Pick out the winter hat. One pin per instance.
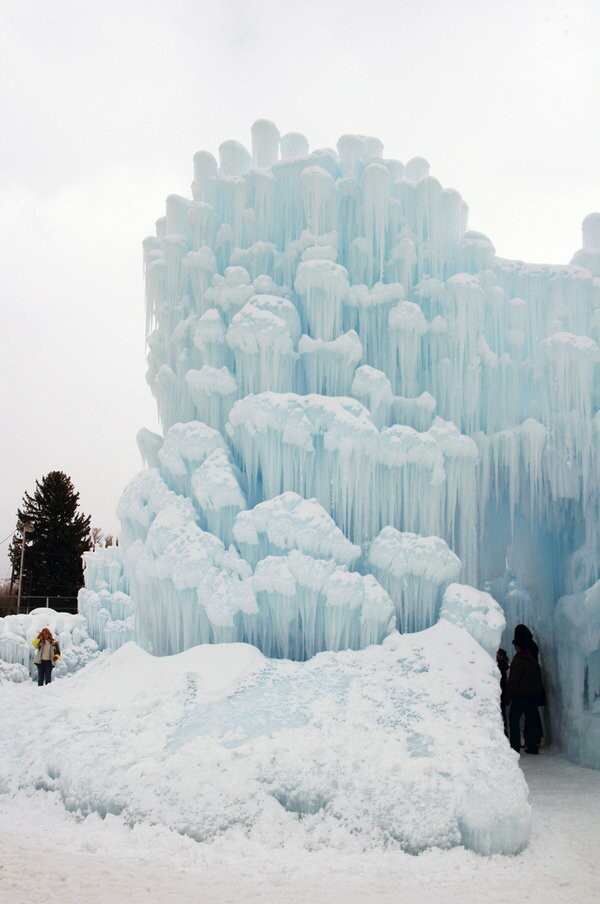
(523, 637)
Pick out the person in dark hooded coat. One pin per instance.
(523, 691)
(503, 664)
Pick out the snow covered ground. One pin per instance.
(107, 788)
(100, 861)
(399, 745)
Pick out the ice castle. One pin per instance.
(362, 405)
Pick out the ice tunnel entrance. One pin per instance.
(361, 406)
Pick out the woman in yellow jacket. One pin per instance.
(48, 654)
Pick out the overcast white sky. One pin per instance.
(103, 105)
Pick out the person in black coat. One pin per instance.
(503, 664)
(523, 691)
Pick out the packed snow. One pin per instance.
(130, 731)
(399, 745)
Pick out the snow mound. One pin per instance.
(477, 612)
(219, 741)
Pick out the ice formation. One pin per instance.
(476, 611)
(578, 625)
(105, 601)
(291, 522)
(322, 324)
(17, 632)
(415, 570)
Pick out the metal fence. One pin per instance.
(8, 604)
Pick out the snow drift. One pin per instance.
(397, 745)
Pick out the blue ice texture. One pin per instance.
(378, 454)
(369, 420)
(362, 405)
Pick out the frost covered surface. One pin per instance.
(330, 449)
(415, 571)
(109, 616)
(17, 632)
(105, 860)
(323, 322)
(306, 605)
(105, 602)
(350, 750)
(477, 612)
(13, 671)
(189, 588)
(578, 620)
(290, 522)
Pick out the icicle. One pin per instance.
(263, 192)
(350, 150)
(149, 444)
(373, 389)
(318, 192)
(376, 195)
(329, 366)
(230, 292)
(294, 145)
(322, 286)
(416, 168)
(185, 447)
(201, 266)
(209, 339)
(477, 612)
(477, 252)
(415, 571)
(407, 326)
(367, 312)
(177, 215)
(216, 488)
(205, 176)
(262, 336)
(307, 605)
(234, 159)
(589, 254)
(213, 391)
(265, 142)
(290, 522)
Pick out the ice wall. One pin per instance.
(578, 625)
(322, 323)
(415, 571)
(105, 601)
(286, 588)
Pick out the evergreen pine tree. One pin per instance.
(52, 563)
